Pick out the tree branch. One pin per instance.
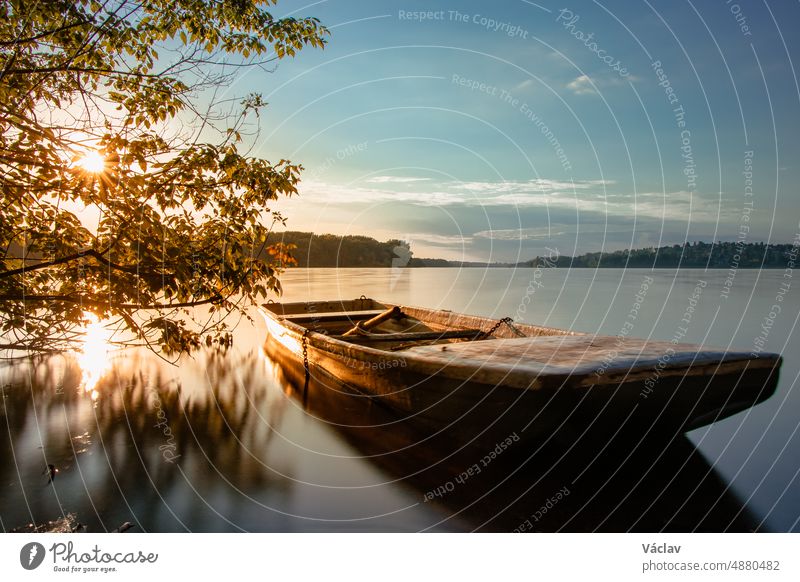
(83, 300)
(45, 34)
(80, 255)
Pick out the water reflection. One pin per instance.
(571, 482)
(212, 445)
(93, 358)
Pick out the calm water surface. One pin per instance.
(222, 442)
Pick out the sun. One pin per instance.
(93, 162)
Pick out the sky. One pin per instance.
(496, 131)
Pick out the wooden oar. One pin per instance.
(363, 326)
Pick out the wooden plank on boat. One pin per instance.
(332, 316)
(361, 327)
(319, 307)
(450, 319)
(411, 337)
(595, 359)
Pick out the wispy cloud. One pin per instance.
(526, 84)
(344, 194)
(539, 233)
(586, 85)
(582, 86)
(585, 196)
(438, 239)
(394, 180)
(535, 185)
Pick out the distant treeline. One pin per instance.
(720, 255)
(329, 250)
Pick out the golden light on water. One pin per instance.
(94, 355)
(93, 162)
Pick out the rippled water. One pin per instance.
(222, 442)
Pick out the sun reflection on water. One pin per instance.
(94, 355)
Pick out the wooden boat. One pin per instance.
(441, 367)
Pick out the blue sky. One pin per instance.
(492, 131)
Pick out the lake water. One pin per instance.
(223, 443)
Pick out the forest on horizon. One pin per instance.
(329, 250)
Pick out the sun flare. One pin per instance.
(93, 162)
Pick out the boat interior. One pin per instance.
(365, 321)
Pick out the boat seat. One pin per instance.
(332, 316)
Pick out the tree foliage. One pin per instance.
(178, 216)
(330, 250)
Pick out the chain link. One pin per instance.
(508, 321)
(305, 352)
